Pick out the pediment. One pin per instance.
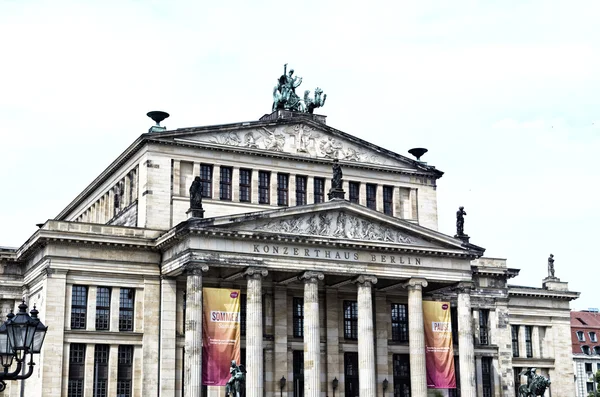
(336, 220)
(297, 138)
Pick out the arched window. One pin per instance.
(597, 350)
(585, 349)
(580, 336)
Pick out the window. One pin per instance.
(101, 370)
(298, 317)
(401, 375)
(282, 189)
(264, 178)
(103, 308)
(319, 184)
(514, 329)
(486, 376)
(484, 315)
(243, 306)
(528, 344)
(588, 368)
(589, 387)
(585, 349)
(372, 196)
(597, 350)
(388, 200)
(298, 369)
(399, 322)
(76, 370)
(454, 324)
(225, 183)
(126, 301)
(78, 307)
(593, 337)
(124, 371)
(300, 190)
(206, 171)
(350, 320)
(580, 336)
(245, 183)
(354, 192)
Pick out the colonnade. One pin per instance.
(312, 353)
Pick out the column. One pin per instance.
(168, 336)
(333, 339)
(416, 337)
(193, 333)
(312, 336)
(382, 321)
(366, 341)
(281, 340)
(466, 352)
(254, 332)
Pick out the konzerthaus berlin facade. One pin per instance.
(332, 289)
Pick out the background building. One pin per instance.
(332, 288)
(585, 328)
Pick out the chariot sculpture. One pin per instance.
(285, 97)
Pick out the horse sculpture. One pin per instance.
(536, 384)
(317, 102)
(236, 386)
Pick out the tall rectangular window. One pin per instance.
(372, 196)
(225, 183)
(78, 307)
(282, 189)
(76, 370)
(354, 193)
(401, 375)
(319, 184)
(484, 315)
(298, 316)
(300, 190)
(101, 370)
(206, 173)
(243, 301)
(388, 200)
(514, 329)
(454, 324)
(486, 376)
(350, 320)
(103, 308)
(399, 322)
(125, 371)
(264, 191)
(126, 306)
(298, 369)
(528, 344)
(245, 184)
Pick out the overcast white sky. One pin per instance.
(505, 96)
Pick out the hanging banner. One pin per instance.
(220, 334)
(439, 354)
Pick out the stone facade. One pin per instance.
(333, 289)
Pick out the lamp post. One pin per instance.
(281, 385)
(385, 385)
(334, 384)
(20, 334)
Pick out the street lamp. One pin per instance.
(385, 385)
(282, 385)
(20, 334)
(334, 384)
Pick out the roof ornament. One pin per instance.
(418, 152)
(460, 224)
(157, 116)
(285, 97)
(551, 266)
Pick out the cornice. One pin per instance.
(541, 293)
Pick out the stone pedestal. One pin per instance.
(312, 336)
(466, 352)
(195, 213)
(416, 337)
(366, 342)
(336, 193)
(254, 333)
(554, 284)
(193, 332)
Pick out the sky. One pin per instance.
(505, 95)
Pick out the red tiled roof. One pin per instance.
(586, 322)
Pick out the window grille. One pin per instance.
(76, 370)
(388, 200)
(282, 189)
(372, 196)
(101, 353)
(319, 190)
(300, 190)
(298, 316)
(515, 340)
(103, 308)
(354, 193)
(225, 183)
(79, 307)
(206, 172)
(484, 315)
(350, 320)
(245, 184)
(264, 190)
(126, 306)
(125, 371)
(400, 322)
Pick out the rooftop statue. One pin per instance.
(460, 221)
(285, 97)
(551, 266)
(196, 193)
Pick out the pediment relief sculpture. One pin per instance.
(298, 139)
(338, 224)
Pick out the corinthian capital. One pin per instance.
(256, 272)
(416, 284)
(311, 277)
(366, 280)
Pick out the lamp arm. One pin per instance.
(11, 375)
(28, 374)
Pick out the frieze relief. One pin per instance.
(298, 139)
(338, 224)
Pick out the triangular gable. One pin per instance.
(302, 138)
(337, 220)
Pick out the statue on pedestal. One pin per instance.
(336, 190)
(536, 384)
(551, 266)
(236, 385)
(196, 210)
(460, 221)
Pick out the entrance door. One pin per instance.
(401, 375)
(351, 374)
(298, 367)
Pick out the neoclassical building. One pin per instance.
(332, 289)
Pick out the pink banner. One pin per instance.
(220, 334)
(439, 354)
